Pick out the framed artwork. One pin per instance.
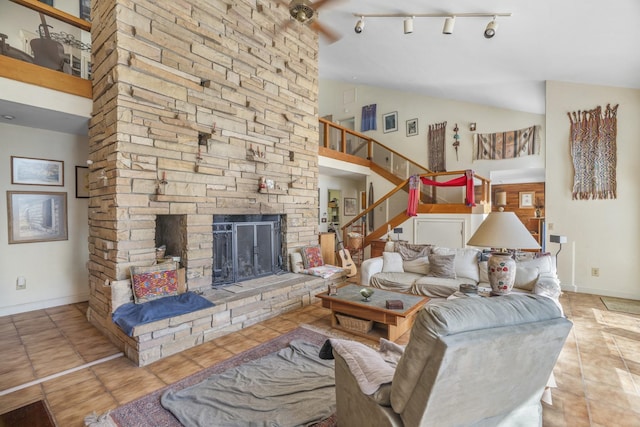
(82, 182)
(85, 10)
(349, 206)
(412, 127)
(30, 171)
(390, 122)
(526, 199)
(37, 216)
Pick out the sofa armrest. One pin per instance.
(368, 268)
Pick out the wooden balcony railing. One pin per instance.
(27, 72)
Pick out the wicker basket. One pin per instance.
(355, 242)
(354, 324)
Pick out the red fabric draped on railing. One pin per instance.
(414, 189)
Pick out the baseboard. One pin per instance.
(39, 305)
(605, 292)
(568, 287)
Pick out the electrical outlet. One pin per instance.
(550, 226)
(595, 272)
(21, 283)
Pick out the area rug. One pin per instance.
(35, 414)
(148, 411)
(622, 305)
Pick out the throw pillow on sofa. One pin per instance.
(392, 262)
(442, 266)
(418, 265)
(526, 277)
(466, 263)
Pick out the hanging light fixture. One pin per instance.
(408, 25)
(449, 23)
(490, 31)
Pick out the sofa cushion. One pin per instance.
(392, 262)
(442, 266)
(526, 277)
(466, 264)
(544, 264)
(437, 287)
(400, 282)
(419, 265)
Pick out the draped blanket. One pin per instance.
(506, 145)
(414, 189)
(289, 388)
(593, 151)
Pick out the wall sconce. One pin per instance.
(472, 127)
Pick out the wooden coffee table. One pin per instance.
(349, 302)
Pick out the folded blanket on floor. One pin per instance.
(292, 387)
(129, 315)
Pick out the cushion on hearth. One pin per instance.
(130, 315)
(153, 282)
(311, 256)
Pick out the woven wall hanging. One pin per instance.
(592, 140)
(435, 147)
(506, 145)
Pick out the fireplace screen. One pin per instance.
(245, 250)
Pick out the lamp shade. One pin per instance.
(503, 230)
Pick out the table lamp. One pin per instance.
(502, 231)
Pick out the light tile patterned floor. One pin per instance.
(598, 372)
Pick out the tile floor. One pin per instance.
(598, 372)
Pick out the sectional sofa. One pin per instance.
(438, 272)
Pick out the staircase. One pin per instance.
(347, 145)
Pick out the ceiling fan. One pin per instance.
(306, 12)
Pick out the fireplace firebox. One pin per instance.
(246, 247)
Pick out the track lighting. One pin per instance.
(490, 31)
(448, 25)
(408, 25)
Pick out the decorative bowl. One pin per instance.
(366, 293)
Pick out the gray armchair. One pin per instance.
(469, 362)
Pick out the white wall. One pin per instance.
(601, 233)
(55, 272)
(429, 110)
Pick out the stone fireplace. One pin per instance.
(193, 108)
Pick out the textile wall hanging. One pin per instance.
(368, 121)
(506, 145)
(593, 151)
(435, 147)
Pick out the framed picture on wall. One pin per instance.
(36, 216)
(412, 127)
(85, 10)
(31, 171)
(390, 122)
(526, 199)
(349, 206)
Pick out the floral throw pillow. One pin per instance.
(311, 256)
(156, 281)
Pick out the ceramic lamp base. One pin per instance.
(502, 273)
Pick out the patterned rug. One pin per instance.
(622, 305)
(148, 412)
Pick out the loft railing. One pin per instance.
(45, 46)
(348, 145)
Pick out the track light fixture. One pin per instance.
(408, 25)
(490, 31)
(449, 23)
